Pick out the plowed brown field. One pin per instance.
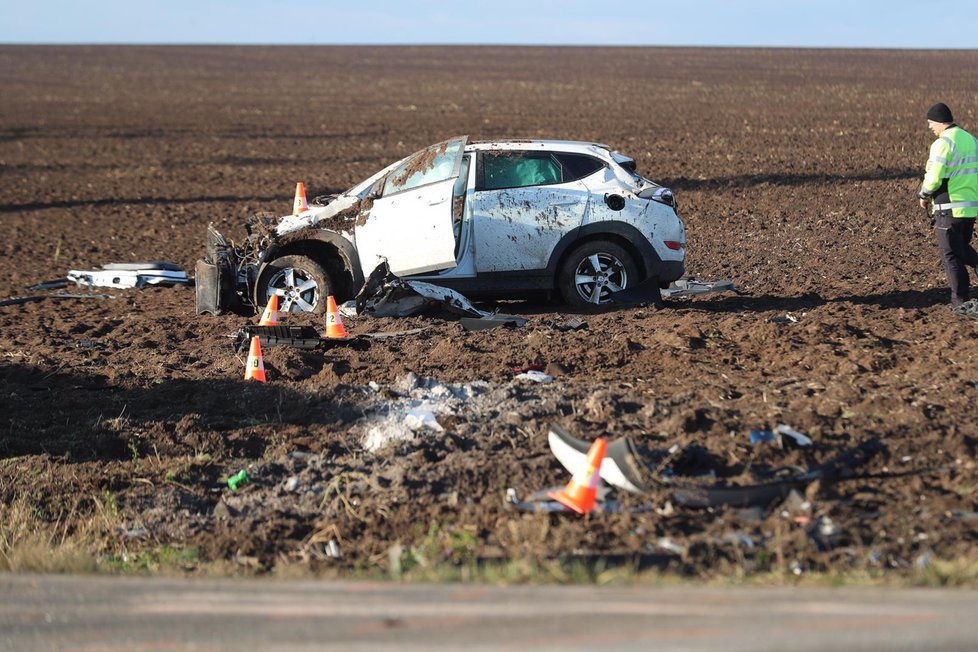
(795, 172)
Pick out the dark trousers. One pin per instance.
(957, 254)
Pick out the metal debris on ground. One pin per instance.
(390, 334)
(131, 275)
(688, 287)
(968, 309)
(540, 503)
(385, 295)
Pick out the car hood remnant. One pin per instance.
(131, 275)
(496, 219)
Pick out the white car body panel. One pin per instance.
(518, 228)
(412, 230)
(410, 226)
(656, 221)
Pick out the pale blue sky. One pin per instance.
(812, 23)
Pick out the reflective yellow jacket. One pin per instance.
(951, 179)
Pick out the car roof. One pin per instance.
(575, 146)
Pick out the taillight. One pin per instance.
(675, 245)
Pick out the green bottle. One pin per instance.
(241, 477)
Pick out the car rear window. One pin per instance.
(516, 169)
(578, 166)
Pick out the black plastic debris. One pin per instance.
(17, 301)
(473, 324)
(572, 324)
(840, 467)
(299, 337)
(56, 284)
(645, 293)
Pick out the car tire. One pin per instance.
(592, 271)
(301, 283)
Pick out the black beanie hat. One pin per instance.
(940, 113)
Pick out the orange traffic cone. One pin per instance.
(255, 367)
(581, 492)
(270, 316)
(300, 205)
(334, 324)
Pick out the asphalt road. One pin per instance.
(133, 614)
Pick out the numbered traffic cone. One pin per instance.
(270, 316)
(581, 492)
(255, 367)
(300, 205)
(334, 323)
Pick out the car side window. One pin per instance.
(578, 166)
(435, 163)
(515, 169)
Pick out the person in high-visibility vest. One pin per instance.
(950, 188)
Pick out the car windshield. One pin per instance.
(366, 186)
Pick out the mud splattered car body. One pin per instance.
(488, 219)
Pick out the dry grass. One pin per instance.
(32, 542)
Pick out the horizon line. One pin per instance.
(475, 45)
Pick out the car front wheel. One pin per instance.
(593, 271)
(301, 284)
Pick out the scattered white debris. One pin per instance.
(788, 431)
(416, 413)
(535, 376)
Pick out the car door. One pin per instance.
(410, 221)
(521, 208)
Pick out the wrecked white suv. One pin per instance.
(487, 219)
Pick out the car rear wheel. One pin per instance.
(593, 271)
(301, 284)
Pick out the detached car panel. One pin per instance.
(491, 219)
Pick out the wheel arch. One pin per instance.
(331, 250)
(625, 235)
